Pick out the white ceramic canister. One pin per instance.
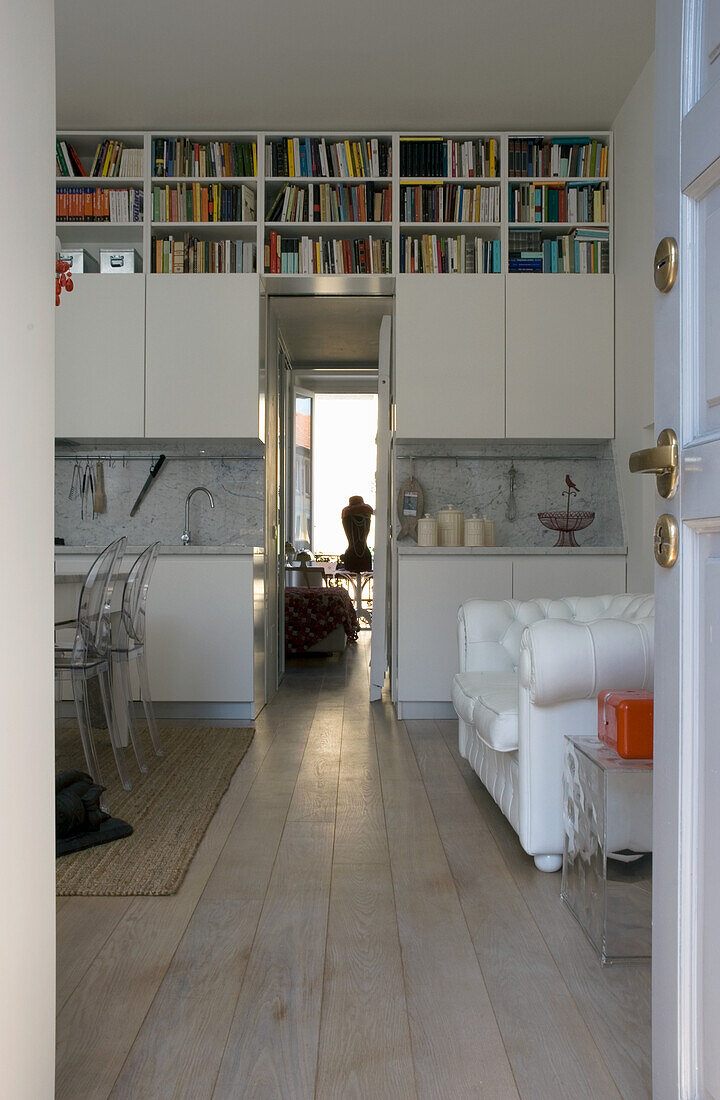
(489, 531)
(427, 531)
(474, 531)
(450, 526)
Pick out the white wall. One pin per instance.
(634, 304)
(27, 802)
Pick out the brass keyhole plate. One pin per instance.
(666, 540)
(665, 267)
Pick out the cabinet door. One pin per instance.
(563, 575)
(450, 356)
(200, 629)
(560, 360)
(202, 356)
(100, 357)
(430, 591)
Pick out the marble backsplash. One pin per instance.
(477, 480)
(237, 485)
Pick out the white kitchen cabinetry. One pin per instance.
(200, 629)
(430, 592)
(559, 357)
(431, 587)
(100, 357)
(202, 356)
(567, 576)
(450, 357)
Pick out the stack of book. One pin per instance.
(449, 202)
(561, 157)
(434, 255)
(98, 204)
(196, 202)
(558, 202)
(331, 202)
(582, 252)
(188, 255)
(198, 160)
(445, 157)
(317, 157)
(323, 256)
(113, 159)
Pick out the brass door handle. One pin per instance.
(661, 460)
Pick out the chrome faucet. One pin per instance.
(185, 538)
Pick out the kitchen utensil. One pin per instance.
(91, 491)
(83, 487)
(75, 481)
(99, 499)
(154, 471)
(511, 510)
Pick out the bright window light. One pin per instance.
(344, 461)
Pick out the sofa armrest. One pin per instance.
(561, 661)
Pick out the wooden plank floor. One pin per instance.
(359, 921)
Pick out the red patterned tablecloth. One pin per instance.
(313, 613)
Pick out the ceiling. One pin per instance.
(336, 64)
(337, 332)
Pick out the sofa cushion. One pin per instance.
(488, 701)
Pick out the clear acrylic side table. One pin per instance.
(607, 861)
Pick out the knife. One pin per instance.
(154, 471)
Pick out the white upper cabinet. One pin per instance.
(202, 356)
(450, 356)
(560, 356)
(100, 357)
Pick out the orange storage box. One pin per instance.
(625, 723)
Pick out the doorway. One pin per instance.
(328, 425)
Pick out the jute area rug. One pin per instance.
(169, 808)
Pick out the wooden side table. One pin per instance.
(607, 861)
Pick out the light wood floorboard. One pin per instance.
(359, 921)
(614, 1001)
(522, 978)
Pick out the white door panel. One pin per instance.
(686, 894)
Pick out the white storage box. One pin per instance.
(118, 260)
(79, 259)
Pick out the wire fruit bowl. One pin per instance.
(566, 524)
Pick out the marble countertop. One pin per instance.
(410, 549)
(170, 548)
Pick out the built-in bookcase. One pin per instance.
(559, 203)
(330, 204)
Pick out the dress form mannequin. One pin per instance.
(356, 524)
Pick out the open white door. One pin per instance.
(686, 896)
(381, 558)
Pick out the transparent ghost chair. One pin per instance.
(128, 644)
(89, 657)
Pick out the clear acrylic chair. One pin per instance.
(89, 657)
(128, 644)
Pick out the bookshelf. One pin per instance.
(363, 208)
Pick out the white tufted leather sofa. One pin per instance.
(530, 673)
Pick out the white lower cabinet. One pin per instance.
(430, 591)
(431, 588)
(202, 356)
(200, 629)
(100, 358)
(450, 356)
(568, 576)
